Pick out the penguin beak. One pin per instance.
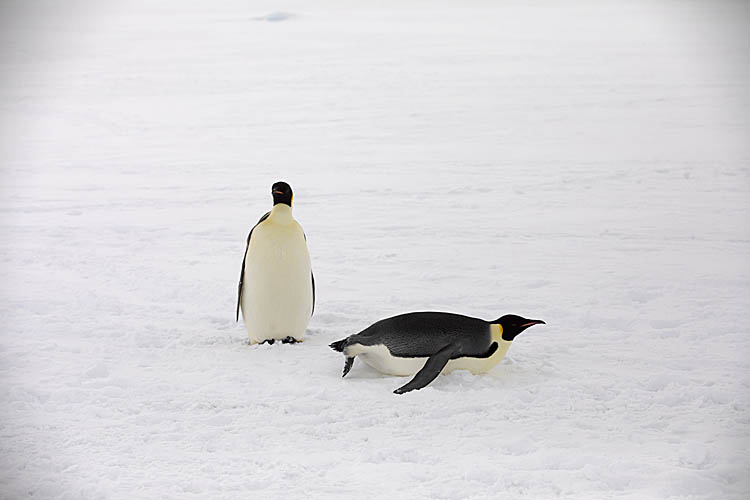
(276, 191)
(533, 322)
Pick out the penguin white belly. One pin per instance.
(380, 358)
(277, 288)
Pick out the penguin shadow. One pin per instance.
(508, 377)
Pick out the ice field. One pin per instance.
(585, 163)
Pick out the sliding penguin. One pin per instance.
(277, 288)
(430, 343)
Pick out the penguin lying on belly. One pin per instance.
(430, 343)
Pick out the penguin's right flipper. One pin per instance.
(430, 370)
(348, 366)
(242, 270)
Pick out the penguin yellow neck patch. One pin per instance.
(496, 330)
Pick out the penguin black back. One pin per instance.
(421, 334)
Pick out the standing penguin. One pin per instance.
(430, 343)
(277, 288)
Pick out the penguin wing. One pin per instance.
(242, 271)
(431, 368)
(312, 276)
(313, 287)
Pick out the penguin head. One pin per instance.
(282, 193)
(514, 325)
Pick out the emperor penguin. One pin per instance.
(277, 288)
(430, 343)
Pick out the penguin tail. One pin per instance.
(338, 346)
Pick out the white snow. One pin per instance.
(586, 163)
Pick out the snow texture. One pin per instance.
(586, 163)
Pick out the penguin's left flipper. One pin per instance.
(431, 369)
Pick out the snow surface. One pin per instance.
(586, 163)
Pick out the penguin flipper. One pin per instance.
(313, 281)
(312, 276)
(431, 369)
(242, 271)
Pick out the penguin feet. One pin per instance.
(285, 340)
(348, 365)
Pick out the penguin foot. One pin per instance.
(348, 366)
(269, 341)
(289, 340)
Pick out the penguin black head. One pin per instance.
(282, 193)
(514, 325)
